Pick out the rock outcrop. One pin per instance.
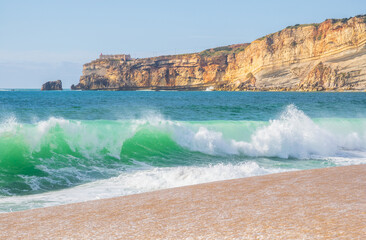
(310, 57)
(52, 85)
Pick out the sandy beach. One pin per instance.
(313, 204)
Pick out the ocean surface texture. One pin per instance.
(71, 146)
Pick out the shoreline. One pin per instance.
(317, 203)
(157, 89)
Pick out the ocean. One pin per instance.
(62, 147)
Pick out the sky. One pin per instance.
(47, 40)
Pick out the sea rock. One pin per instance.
(52, 85)
(309, 57)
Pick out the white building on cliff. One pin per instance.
(124, 57)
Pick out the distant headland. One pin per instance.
(329, 56)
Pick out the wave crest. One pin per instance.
(292, 135)
(59, 153)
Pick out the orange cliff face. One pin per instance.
(185, 71)
(311, 57)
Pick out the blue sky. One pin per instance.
(49, 40)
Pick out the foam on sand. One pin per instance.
(321, 203)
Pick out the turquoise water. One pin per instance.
(69, 146)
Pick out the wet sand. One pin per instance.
(313, 204)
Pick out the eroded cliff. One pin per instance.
(310, 57)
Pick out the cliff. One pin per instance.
(310, 57)
(52, 85)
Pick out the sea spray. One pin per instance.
(58, 153)
(68, 146)
(292, 135)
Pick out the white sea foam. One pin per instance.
(292, 135)
(138, 181)
(9, 126)
(87, 137)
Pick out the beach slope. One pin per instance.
(313, 204)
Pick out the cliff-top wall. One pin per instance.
(310, 57)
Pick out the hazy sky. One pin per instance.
(49, 40)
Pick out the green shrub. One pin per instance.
(302, 25)
(225, 50)
(240, 49)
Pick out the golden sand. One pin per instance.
(313, 204)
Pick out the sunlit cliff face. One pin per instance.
(310, 57)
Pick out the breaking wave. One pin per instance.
(134, 182)
(153, 153)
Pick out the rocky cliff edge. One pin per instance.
(309, 57)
